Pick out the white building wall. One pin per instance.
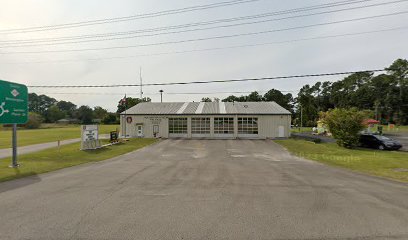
(147, 123)
(268, 125)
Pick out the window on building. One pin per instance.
(223, 125)
(200, 125)
(178, 125)
(248, 125)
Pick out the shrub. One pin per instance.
(345, 125)
(34, 121)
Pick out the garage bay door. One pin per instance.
(177, 127)
(200, 127)
(224, 127)
(247, 127)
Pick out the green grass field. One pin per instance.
(403, 129)
(389, 164)
(299, 130)
(68, 155)
(49, 134)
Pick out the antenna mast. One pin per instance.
(141, 84)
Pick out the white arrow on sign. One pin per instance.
(2, 110)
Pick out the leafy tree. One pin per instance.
(34, 120)
(67, 107)
(345, 125)
(307, 109)
(99, 112)
(40, 103)
(110, 118)
(399, 70)
(206, 99)
(130, 102)
(323, 97)
(54, 114)
(345, 92)
(254, 97)
(285, 100)
(232, 98)
(85, 114)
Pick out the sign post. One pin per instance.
(14, 163)
(90, 137)
(13, 109)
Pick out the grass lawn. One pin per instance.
(28, 137)
(302, 129)
(69, 155)
(403, 129)
(375, 162)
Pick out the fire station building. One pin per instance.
(216, 120)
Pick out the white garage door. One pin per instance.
(248, 127)
(177, 127)
(224, 127)
(201, 127)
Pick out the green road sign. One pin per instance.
(13, 103)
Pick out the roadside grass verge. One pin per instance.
(67, 156)
(388, 164)
(35, 136)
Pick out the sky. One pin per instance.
(374, 50)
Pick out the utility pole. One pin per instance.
(141, 84)
(376, 112)
(376, 105)
(125, 119)
(161, 95)
(301, 117)
(400, 100)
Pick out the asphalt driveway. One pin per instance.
(204, 189)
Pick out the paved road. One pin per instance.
(8, 152)
(204, 189)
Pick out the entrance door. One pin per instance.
(139, 130)
(155, 130)
(281, 131)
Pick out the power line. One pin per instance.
(122, 19)
(209, 38)
(211, 81)
(88, 38)
(167, 93)
(216, 48)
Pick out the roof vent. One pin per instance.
(245, 106)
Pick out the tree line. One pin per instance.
(46, 109)
(385, 95)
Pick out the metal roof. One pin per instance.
(207, 108)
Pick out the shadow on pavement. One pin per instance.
(31, 178)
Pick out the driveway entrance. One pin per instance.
(204, 189)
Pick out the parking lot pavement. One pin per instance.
(204, 189)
